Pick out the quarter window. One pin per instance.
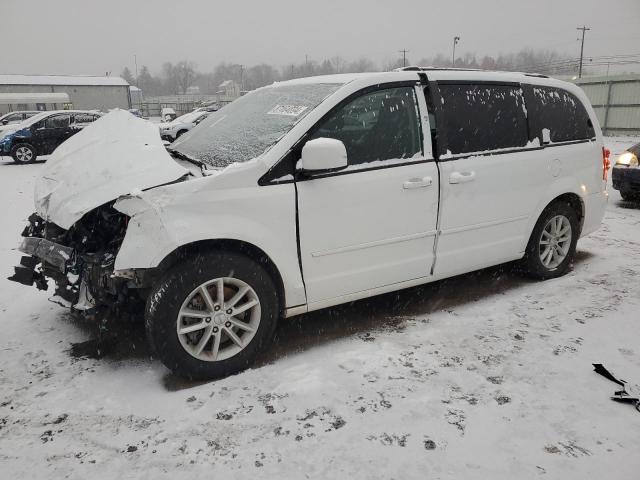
(83, 118)
(561, 113)
(483, 117)
(382, 125)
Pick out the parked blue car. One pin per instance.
(42, 133)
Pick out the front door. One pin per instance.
(373, 224)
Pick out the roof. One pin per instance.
(66, 80)
(15, 98)
(437, 74)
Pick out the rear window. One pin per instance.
(481, 117)
(561, 113)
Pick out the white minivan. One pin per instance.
(311, 193)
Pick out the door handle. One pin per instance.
(417, 183)
(462, 177)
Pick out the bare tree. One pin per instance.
(170, 79)
(185, 74)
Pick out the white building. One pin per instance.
(228, 90)
(84, 92)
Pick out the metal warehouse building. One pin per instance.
(616, 100)
(84, 92)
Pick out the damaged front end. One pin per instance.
(80, 261)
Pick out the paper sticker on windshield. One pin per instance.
(290, 110)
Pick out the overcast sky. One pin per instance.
(92, 37)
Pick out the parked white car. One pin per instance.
(9, 121)
(181, 125)
(167, 114)
(311, 193)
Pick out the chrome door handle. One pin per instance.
(417, 183)
(462, 177)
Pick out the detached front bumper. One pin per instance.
(48, 251)
(43, 259)
(626, 179)
(82, 280)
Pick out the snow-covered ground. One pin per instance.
(486, 376)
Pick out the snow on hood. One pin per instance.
(114, 156)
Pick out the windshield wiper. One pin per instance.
(182, 156)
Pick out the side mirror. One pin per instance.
(323, 155)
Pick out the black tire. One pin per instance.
(180, 132)
(167, 296)
(532, 263)
(629, 196)
(17, 150)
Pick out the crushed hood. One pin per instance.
(116, 155)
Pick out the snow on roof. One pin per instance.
(11, 79)
(15, 98)
(133, 88)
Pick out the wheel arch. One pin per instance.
(574, 200)
(228, 245)
(568, 196)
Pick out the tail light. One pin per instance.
(606, 163)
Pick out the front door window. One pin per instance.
(378, 126)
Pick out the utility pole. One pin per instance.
(456, 39)
(241, 79)
(404, 57)
(584, 29)
(135, 60)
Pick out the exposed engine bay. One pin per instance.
(80, 262)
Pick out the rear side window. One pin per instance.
(560, 112)
(481, 117)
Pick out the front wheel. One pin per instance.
(23, 153)
(552, 245)
(211, 315)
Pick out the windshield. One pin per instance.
(247, 127)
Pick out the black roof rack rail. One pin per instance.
(415, 68)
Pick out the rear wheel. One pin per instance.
(552, 245)
(629, 196)
(180, 133)
(211, 315)
(23, 153)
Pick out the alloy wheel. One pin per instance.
(218, 319)
(555, 241)
(24, 154)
